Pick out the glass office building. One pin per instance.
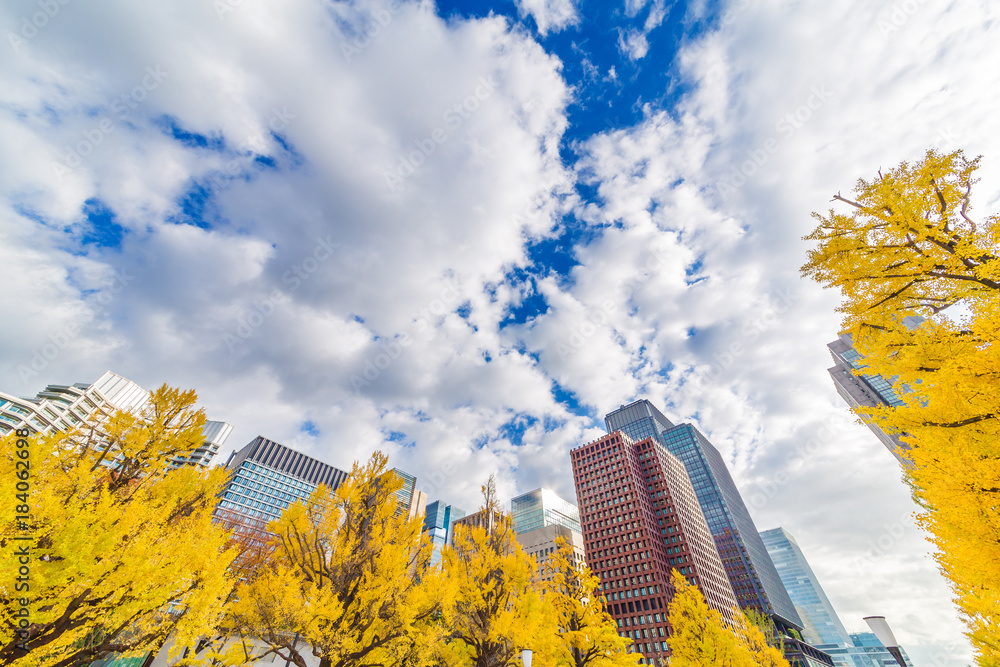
(438, 524)
(863, 390)
(267, 477)
(752, 574)
(542, 507)
(410, 501)
(820, 622)
(865, 650)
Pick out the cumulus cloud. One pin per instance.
(633, 43)
(326, 217)
(550, 15)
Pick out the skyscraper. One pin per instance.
(267, 477)
(438, 523)
(820, 622)
(751, 573)
(540, 518)
(410, 501)
(864, 391)
(641, 519)
(62, 408)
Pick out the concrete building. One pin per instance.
(62, 408)
(641, 520)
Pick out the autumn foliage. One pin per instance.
(130, 556)
(700, 635)
(122, 552)
(910, 245)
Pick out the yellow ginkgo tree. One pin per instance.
(493, 606)
(347, 581)
(108, 551)
(920, 276)
(699, 635)
(587, 635)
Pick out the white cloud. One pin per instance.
(324, 291)
(633, 43)
(784, 112)
(550, 15)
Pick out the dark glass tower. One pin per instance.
(864, 390)
(438, 524)
(751, 572)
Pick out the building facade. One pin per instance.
(868, 646)
(411, 501)
(820, 623)
(541, 518)
(543, 507)
(751, 573)
(864, 391)
(822, 626)
(267, 477)
(62, 408)
(641, 520)
(438, 523)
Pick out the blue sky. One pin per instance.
(462, 234)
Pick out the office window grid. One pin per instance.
(635, 533)
(261, 492)
(542, 507)
(751, 574)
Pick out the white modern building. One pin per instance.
(62, 408)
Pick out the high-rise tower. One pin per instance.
(438, 525)
(820, 622)
(751, 573)
(641, 519)
(864, 391)
(62, 408)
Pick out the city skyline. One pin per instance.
(278, 475)
(463, 232)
